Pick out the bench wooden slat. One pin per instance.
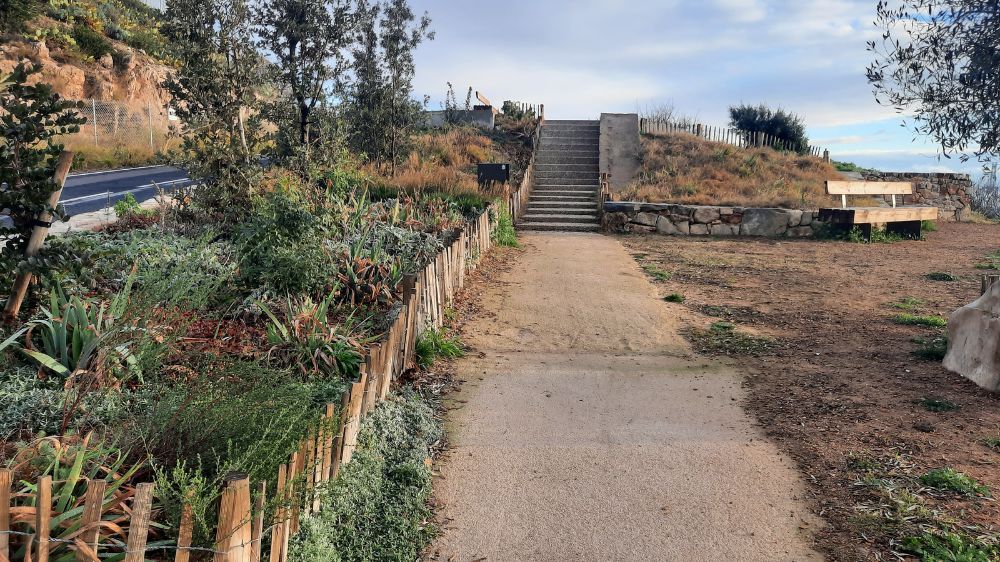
(878, 215)
(868, 188)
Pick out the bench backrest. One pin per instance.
(845, 188)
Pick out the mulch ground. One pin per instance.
(842, 392)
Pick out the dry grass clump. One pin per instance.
(444, 161)
(683, 168)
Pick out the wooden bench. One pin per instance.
(902, 220)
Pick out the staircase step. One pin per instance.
(589, 199)
(556, 217)
(558, 226)
(534, 210)
(576, 182)
(565, 203)
(568, 167)
(572, 176)
(567, 159)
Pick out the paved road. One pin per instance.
(96, 190)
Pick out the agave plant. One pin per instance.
(73, 463)
(309, 339)
(74, 334)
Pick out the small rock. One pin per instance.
(107, 61)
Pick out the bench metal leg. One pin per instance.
(906, 229)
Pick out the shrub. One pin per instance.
(505, 235)
(377, 508)
(90, 42)
(228, 417)
(147, 40)
(674, 297)
(15, 13)
(434, 343)
(778, 123)
(282, 249)
(31, 405)
(952, 480)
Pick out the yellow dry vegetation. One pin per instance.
(683, 168)
(444, 161)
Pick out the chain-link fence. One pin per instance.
(122, 125)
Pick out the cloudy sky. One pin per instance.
(584, 57)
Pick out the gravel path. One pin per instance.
(587, 431)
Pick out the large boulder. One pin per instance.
(974, 340)
(764, 222)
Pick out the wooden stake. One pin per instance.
(277, 535)
(257, 531)
(186, 532)
(138, 530)
(43, 515)
(92, 507)
(232, 537)
(328, 437)
(6, 477)
(37, 239)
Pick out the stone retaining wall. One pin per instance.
(699, 220)
(950, 193)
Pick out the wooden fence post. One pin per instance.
(257, 530)
(37, 239)
(92, 507)
(43, 516)
(988, 281)
(138, 530)
(6, 478)
(278, 535)
(354, 418)
(233, 532)
(186, 532)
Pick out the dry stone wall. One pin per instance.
(702, 220)
(950, 193)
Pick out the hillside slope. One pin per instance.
(108, 50)
(683, 168)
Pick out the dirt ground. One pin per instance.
(841, 391)
(586, 429)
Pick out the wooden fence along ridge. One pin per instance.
(734, 137)
(241, 526)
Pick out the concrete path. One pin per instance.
(586, 431)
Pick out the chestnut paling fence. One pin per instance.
(243, 534)
(726, 135)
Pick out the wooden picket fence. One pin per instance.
(241, 526)
(726, 135)
(517, 199)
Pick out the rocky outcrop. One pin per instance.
(706, 220)
(974, 340)
(135, 80)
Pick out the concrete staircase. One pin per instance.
(566, 186)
